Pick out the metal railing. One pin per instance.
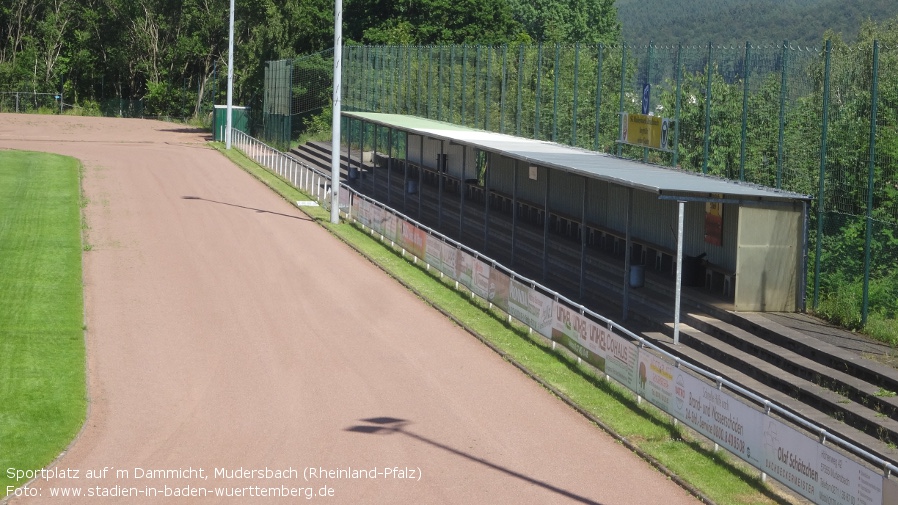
(585, 332)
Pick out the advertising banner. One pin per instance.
(413, 238)
(480, 279)
(656, 382)
(434, 252)
(499, 284)
(464, 269)
(391, 223)
(815, 471)
(720, 417)
(621, 358)
(531, 308)
(377, 218)
(571, 330)
(450, 261)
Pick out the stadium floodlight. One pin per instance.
(230, 78)
(335, 148)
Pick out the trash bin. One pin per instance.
(411, 187)
(637, 276)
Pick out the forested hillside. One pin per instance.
(170, 55)
(733, 22)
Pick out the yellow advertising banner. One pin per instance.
(644, 130)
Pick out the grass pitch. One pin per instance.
(43, 398)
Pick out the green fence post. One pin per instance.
(574, 107)
(464, 86)
(555, 93)
(674, 160)
(408, 79)
(504, 85)
(539, 75)
(440, 85)
(600, 49)
(623, 82)
(822, 176)
(707, 115)
(418, 107)
(488, 81)
(477, 87)
(451, 82)
(745, 66)
(782, 125)
(520, 82)
(648, 80)
(394, 90)
(429, 78)
(870, 179)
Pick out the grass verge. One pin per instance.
(42, 354)
(714, 476)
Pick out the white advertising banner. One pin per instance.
(480, 279)
(720, 417)
(531, 308)
(464, 268)
(572, 330)
(815, 471)
(434, 253)
(449, 263)
(657, 382)
(621, 358)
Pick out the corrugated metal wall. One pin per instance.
(654, 220)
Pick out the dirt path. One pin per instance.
(227, 331)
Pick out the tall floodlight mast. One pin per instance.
(230, 78)
(335, 149)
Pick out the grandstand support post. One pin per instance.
(514, 212)
(462, 188)
(744, 112)
(681, 211)
(486, 204)
(546, 225)
(782, 125)
(230, 78)
(390, 131)
(441, 169)
(583, 236)
(628, 243)
(865, 306)
(822, 177)
(420, 173)
(335, 149)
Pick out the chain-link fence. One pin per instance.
(822, 122)
(31, 102)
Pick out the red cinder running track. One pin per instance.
(228, 333)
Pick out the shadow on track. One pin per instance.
(260, 211)
(390, 425)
